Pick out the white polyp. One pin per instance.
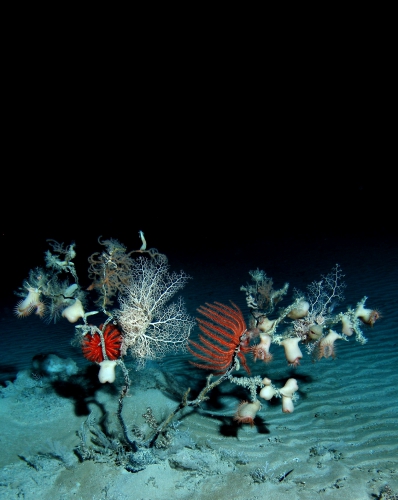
(143, 246)
(330, 338)
(300, 310)
(29, 302)
(73, 312)
(287, 405)
(363, 313)
(107, 371)
(265, 325)
(287, 393)
(267, 392)
(289, 388)
(346, 326)
(292, 350)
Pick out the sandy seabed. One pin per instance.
(339, 443)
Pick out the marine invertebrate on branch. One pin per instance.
(74, 311)
(367, 316)
(326, 347)
(91, 344)
(107, 371)
(293, 353)
(246, 412)
(300, 311)
(261, 350)
(223, 338)
(269, 390)
(31, 302)
(288, 392)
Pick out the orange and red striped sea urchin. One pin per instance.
(221, 339)
(91, 345)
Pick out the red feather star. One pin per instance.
(91, 345)
(221, 339)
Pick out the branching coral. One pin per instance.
(148, 325)
(152, 327)
(307, 320)
(109, 271)
(261, 297)
(49, 296)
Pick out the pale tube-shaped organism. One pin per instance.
(300, 310)
(30, 302)
(143, 246)
(315, 332)
(246, 412)
(268, 391)
(261, 350)
(287, 392)
(346, 326)
(326, 347)
(73, 312)
(265, 325)
(107, 371)
(367, 316)
(292, 350)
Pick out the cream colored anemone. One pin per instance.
(29, 303)
(292, 350)
(73, 312)
(367, 316)
(268, 391)
(246, 412)
(346, 325)
(300, 310)
(287, 392)
(107, 371)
